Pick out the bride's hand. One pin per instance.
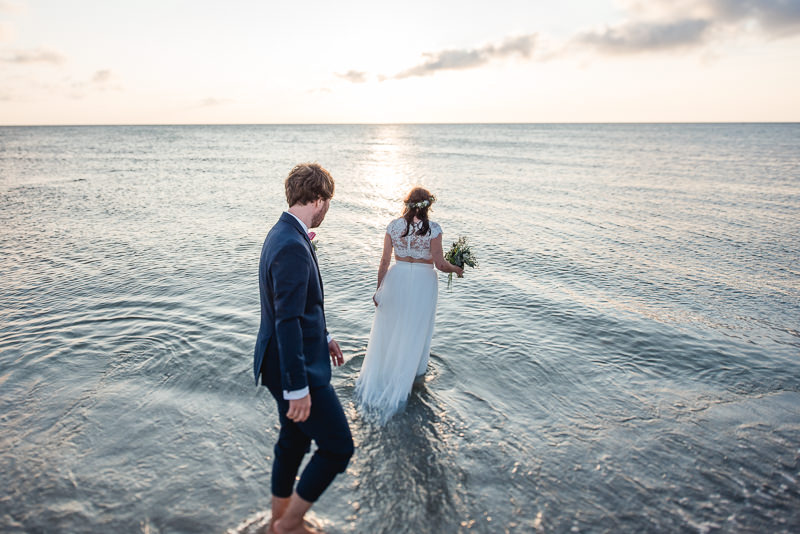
(459, 272)
(373, 299)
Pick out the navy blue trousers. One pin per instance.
(328, 428)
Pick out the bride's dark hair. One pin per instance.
(417, 204)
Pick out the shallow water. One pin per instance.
(625, 358)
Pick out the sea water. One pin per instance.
(626, 357)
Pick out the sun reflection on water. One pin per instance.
(386, 172)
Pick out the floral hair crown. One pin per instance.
(422, 203)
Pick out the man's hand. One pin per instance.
(299, 409)
(336, 353)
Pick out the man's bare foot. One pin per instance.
(279, 506)
(293, 519)
(296, 528)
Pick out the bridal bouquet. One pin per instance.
(460, 255)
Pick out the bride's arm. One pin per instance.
(438, 258)
(386, 258)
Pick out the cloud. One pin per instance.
(102, 76)
(775, 17)
(470, 58)
(27, 86)
(101, 81)
(651, 26)
(634, 37)
(34, 56)
(354, 76)
(658, 25)
(445, 60)
(105, 80)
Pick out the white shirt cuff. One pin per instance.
(330, 338)
(299, 393)
(296, 394)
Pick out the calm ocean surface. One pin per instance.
(626, 358)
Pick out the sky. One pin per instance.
(415, 61)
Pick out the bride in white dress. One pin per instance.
(400, 340)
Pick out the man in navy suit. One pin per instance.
(294, 351)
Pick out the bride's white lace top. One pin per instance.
(412, 245)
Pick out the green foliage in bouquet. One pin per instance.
(460, 255)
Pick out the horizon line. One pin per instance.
(70, 125)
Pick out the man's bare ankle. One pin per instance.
(271, 526)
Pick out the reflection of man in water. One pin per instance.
(292, 354)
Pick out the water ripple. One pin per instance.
(624, 358)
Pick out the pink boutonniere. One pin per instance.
(311, 236)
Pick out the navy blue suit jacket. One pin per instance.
(292, 346)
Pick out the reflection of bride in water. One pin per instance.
(400, 340)
(409, 457)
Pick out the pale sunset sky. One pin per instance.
(354, 61)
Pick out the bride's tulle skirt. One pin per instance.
(400, 340)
